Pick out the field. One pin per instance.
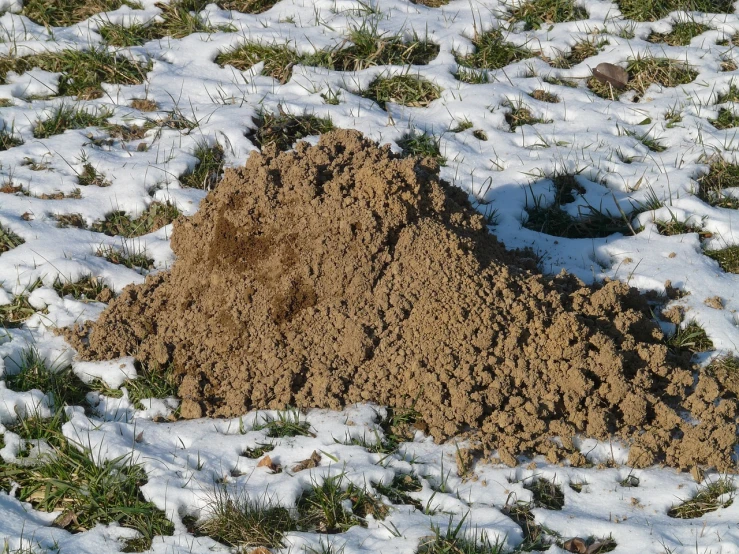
(120, 116)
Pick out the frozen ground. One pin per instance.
(585, 134)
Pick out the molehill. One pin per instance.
(342, 273)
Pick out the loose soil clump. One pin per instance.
(343, 273)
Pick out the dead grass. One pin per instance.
(144, 105)
(70, 220)
(544, 96)
(520, 114)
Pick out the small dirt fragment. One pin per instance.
(715, 302)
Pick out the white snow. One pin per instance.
(506, 173)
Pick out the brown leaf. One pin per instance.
(268, 463)
(309, 463)
(62, 521)
(608, 73)
(576, 545)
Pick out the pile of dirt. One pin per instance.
(341, 273)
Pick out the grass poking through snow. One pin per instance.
(681, 35)
(63, 13)
(65, 116)
(406, 90)
(691, 337)
(652, 10)
(645, 71)
(86, 288)
(422, 144)
(492, 51)
(208, 171)
(454, 540)
(538, 13)
(727, 258)
(284, 129)
(712, 187)
(119, 223)
(288, 423)
(711, 497)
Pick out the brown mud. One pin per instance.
(341, 273)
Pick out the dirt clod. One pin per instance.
(341, 273)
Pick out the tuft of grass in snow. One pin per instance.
(208, 171)
(714, 495)
(151, 381)
(727, 258)
(322, 507)
(257, 451)
(86, 288)
(652, 10)
(674, 226)
(86, 489)
(8, 139)
(681, 35)
(455, 541)
(247, 6)
(9, 240)
(535, 13)
(581, 51)
(65, 117)
(547, 494)
(520, 115)
(63, 13)
(732, 95)
(721, 175)
(58, 381)
(560, 82)
(89, 176)
(544, 96)
(83, 71)
(287, 424)
(144, 105)
(553, 220)
(397, 490)
(691, 337)
(128, 255)
(134, 34)
(645, 71)
(406, 90)
(119, 223)
(284, 129)
(70, 220)
(422, 144)
(493, 52)
(646, 139)
(726, 119)
(237, 520)
(278, 59)
(431, 3)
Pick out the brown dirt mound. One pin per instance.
(341, 273)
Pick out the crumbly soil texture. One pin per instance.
(343, 273)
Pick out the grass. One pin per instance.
(60, 382)
(455, 541)
(130, 256)
(286, 424)
(727, 258)
(85, 288)
(431, 3)
(64, 117)
(70, 220)
(152, 381)
(534, 536)
(209, 169)
(398, 489)
(726, 371)
(284, 129)
(9, 240)
(553, 220)
(580, 52)
(681, 35)
(544, 96)
(258, 451)
(536, 13)
(652, 10)
(19, 310)
(708, 499)
(646, 139)
(322, 507)
(732, 95)
(493, 52)
(88, 490)
(119, 223)
(422, 144)
(8, 139)
(134, 34)
(144, 105)
(89, 176)
(237, 520)
(647, 70)
(83, 72)
(278, 59)
(674, 226)
(726, 119)
(247, 6)
(721, 175)
(547, 494)
(406, 90)
(520, 114)
(63, 13)
(691, 337)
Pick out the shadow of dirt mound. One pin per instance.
(341, 273)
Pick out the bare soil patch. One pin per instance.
(343, 273)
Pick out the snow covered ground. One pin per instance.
(594, 137)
